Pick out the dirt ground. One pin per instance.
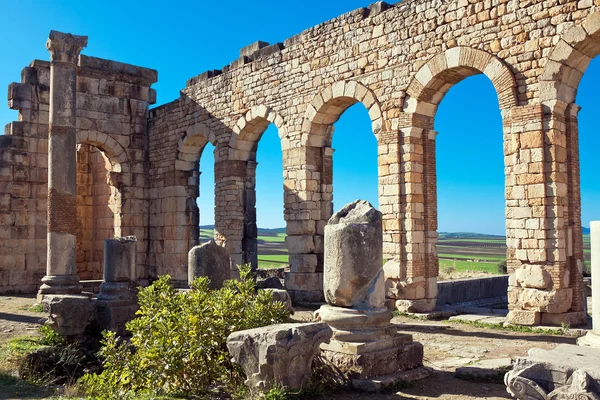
(447, 346)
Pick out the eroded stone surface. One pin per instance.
(353, 257)
(278, 355)
(209, 260)
(68, 315)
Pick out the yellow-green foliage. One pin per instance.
(178, 345)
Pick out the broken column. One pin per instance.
(210, 260)
(61, 273)
(593, 337)
(365, 346)
(116, 304)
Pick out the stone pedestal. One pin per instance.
(68, 315)
(117, 303)
(593, 337)
(365, 346)
(61, 271)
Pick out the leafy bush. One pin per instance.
(178, 344)
(502, 269)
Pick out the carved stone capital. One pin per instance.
(64, 47)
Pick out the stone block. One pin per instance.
(533, 276)
(553, 301)
(278, 355)
(68, 315)
(282, 296)
(523, 317)
(210, 260)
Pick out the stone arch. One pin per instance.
(569, 59)
(191, 145)
(328, 106)
(102, 172)
(440, 73)
(239, 174)
(415, 276)
(114, 151)
(249, 129)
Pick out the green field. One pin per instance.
(456, 251)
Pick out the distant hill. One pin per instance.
(586, 231)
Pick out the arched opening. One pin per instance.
(469, 180)
(98, 210)
(242, 235)
(309, 183)
(206, 194)
(354, 159)
(270, 224)
(589, 142)
(415, 284)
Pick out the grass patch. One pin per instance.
(481, 257)
(514, 328)
(272, 261)
(462, 266)
(11, 353)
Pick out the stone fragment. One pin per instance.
(533, 276)
(566, 372)
(353, 273)
(523, 317)
(282, 296)
(209, 260)
(68, 315)
(553, 301)
(116, 304)
(278, 355)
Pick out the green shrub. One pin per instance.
(178, 344)
(502, 269)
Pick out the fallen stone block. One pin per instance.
(278, 355)
(567, 372)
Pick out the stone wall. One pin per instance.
(398, 61)
(112, 108)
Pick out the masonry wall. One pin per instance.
(112, 107)
(399, 61)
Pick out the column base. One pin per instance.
(590, 340)
(114, 315)
(70, 314)
(60, 284)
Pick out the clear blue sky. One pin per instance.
(190, 37)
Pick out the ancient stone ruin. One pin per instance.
(365, 346)
(88, 159)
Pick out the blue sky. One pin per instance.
(193, 36)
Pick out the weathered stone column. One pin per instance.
(61, 273)
(116, 303)
(593, 337)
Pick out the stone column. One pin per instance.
(116, 304)
(61, 273)
(593, 337)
